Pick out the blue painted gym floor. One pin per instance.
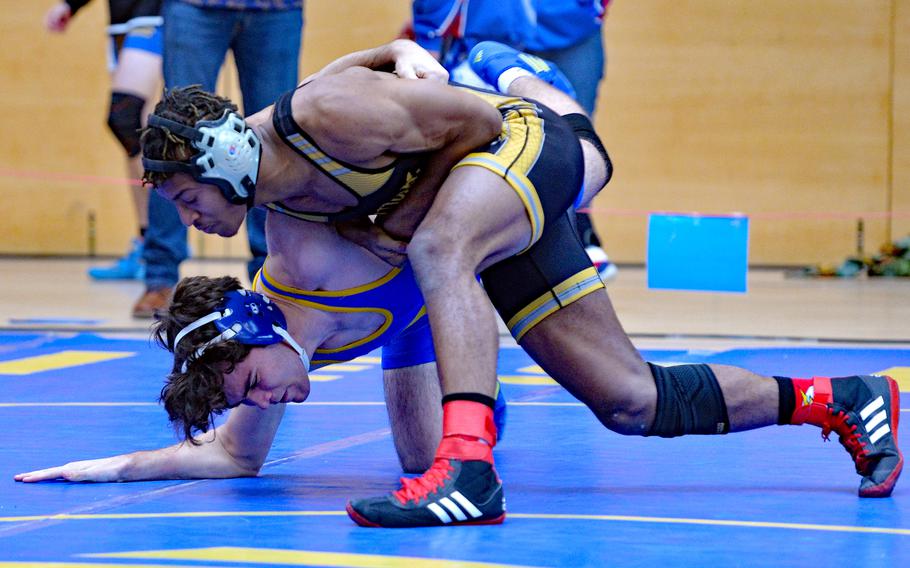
(578, 495)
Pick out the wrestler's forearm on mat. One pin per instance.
(235, 449)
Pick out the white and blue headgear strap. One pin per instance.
(262, 324)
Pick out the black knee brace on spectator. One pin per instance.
(585, 131)
(689, 401)
(125, 120)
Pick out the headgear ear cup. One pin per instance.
(228, 156)
(230, 152)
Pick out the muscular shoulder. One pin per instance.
(324, 105)
(348, 114)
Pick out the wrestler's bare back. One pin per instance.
(361, 118)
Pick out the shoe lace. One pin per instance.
(849, 437)
(416, 488)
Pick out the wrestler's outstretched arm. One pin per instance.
(237, 448)
(409, 59)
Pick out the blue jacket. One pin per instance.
(535, 25)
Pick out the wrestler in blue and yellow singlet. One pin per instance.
(404, 335)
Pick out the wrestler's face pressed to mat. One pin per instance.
(272, 374)
(202, 205)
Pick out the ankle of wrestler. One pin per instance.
(468, 428)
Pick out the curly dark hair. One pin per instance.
(186, 105)
(193, 398)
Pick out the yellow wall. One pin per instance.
(777, 108)
(794, 112)
(900, 199)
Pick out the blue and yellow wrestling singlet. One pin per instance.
(404, 335)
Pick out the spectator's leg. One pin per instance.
(584, 64)
(267, 52)
(195, 43)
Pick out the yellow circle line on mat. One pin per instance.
(525, 516)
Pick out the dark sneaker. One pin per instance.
(489, 59)
(864, 411)
(451, 492)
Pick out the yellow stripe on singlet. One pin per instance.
(328, 293)
(523, 131)
(361, 183)
(386, 314)
(563, 294)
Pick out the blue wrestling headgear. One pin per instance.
(228, 155)
(248, 317)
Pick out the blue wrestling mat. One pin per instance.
(578, 495)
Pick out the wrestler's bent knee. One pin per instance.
(625, 411)
(434, 251)
(689, 401)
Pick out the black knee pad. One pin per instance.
(689, 401)
(583, 128)
(125, 120)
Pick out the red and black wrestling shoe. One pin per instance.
(451, 492)
(460, 488)
(864, 411)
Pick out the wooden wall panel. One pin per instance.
(793, 112)
(772, 108)
(901, 123)
(57, 160)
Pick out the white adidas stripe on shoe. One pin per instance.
(459, 510)
(879, 418)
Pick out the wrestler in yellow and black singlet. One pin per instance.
(537, 154)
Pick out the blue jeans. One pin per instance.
(583, 64)
(266, 47)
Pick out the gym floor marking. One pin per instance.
(320, 378)
(349, 367)
(295, 558)
(526, 380)
(96, 564)
(510, 516)
(59, 360)
(899, 374)
(577, 494)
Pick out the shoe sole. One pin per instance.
(885, 488)
(364, 522)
